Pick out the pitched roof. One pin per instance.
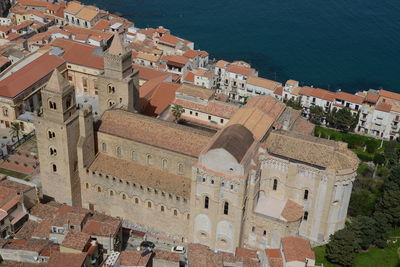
(79, 53)
(264, 83)
(116, 47)
(296, 249)
(102, 225)
(274, 257)
(317, 92)
(57, 83)
(349, 97)
(292, 211)
(143, 175)
(388, 94)
(134, 258)
(240, 70)
(154, 132)
(58, 259)
(213, 107)
(88, 13)
(20, 80)
(76, 240)
(162, 97)
(73, 7)
(146, 73)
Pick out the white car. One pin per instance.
(178, 249)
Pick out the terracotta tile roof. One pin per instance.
(312, 150)
(146, 176)
(385, 107)
(221, 64)
(201, 256)
(303, 126)
(274, 257)
(21, 264)
(372, 98)
(194, 53)
(43, 229)
(317, 93)
(13, 36)
(88, 13)
(203, 73)
(149, 73)
(70, 215)
(189, 77)
(76, 30)
(195, 91)
(102, 225)
(170, 40)
(76, 240)
(264, 83)
(145, 56)
(101, 25)
(79, 53)
(43, 211)
(278, 91)
(292, 83)
(35, 245)
(58, 259)
(240, 70)
(6, 195)
(27, 230)
(246, 253)
(292, 211)
(11, 202)
(388, 94)
(148, 89)
(179, 61)
(349, 97)
(73, 7)
(296, 249)
(20, 80)
(213, 107)
(166, 255)
(36, 3)
(162, 97)
(134, 258)
(19, 187)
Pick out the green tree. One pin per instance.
(382, 229)
(317, 114)
(342, 247)
(372, 145)
(391, 153)
(177, 111)
(342, 119)
(364, 229)
(15, 130)
(379, 159)
(295, 104)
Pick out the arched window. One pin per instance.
(162, 209)
(212, 181)
(53, 151)
(119, 152)
(305, 217)
(104, 147)
(264, 233)
(52, 105)
(275, 186)
(99, 189)
(51, 134)
(226, 208)
(180, 168)
(123, 196)
(87, 186)
(149, 204)
(305, 194)
(133, 155)
(253, 229)
(175, 212)
(54, 166)
(136, 201)
(111, 89)
(111, 193)
(188, 216)
(68, 101)
(165, 164)
(206, 202)
(149, 160)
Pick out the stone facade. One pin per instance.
(250, 184)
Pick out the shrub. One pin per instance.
(364, 156)
(372, 145)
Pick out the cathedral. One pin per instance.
(262, 177)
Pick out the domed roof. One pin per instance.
(236, 139)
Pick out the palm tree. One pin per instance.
(177, 111)
(15, 130)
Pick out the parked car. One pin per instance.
(147, 244)
(178, 249)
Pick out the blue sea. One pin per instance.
(332, 44)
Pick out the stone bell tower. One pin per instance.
(119, 84)
(57, 131)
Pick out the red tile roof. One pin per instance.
(274, 257)
(296, 249)
(389, 94)
(349, 97)
(58, 259)
(372, 98)
(20, 80)
(162, 97)
(79, 53)
(317, 93)
(76, 240)
(240, 70)
(383, 107)
(149, 73)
